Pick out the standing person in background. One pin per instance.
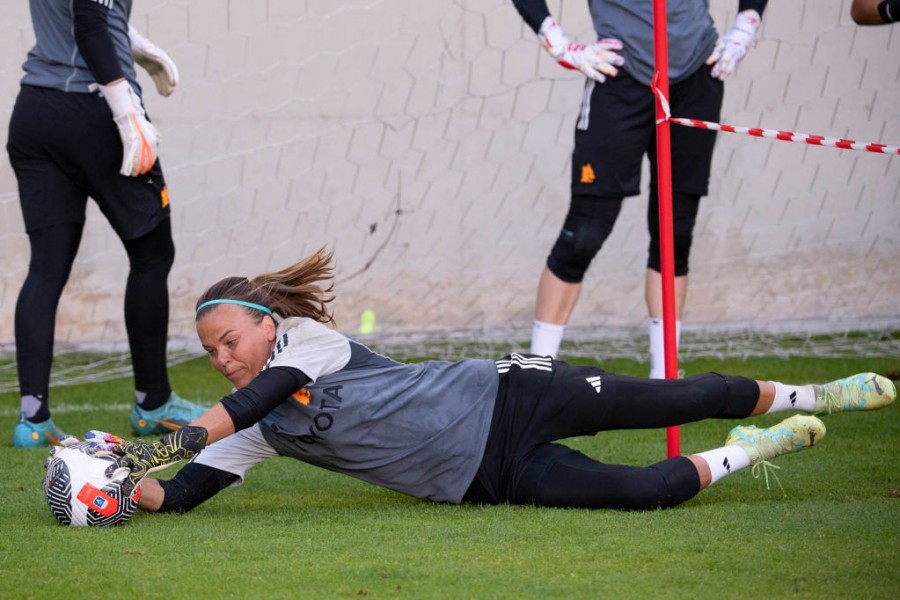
(875, 12)
(616, 127)
(79, 129)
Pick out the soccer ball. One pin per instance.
(80, 494)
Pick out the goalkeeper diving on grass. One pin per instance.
(481, 431)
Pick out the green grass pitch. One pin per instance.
(294, 531)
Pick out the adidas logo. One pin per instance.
(793, 398)
(595, 383)
(726, 464)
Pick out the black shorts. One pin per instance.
(65, 147)
(617, 126)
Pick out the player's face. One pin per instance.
(238, 346)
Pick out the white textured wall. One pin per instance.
(429, 144)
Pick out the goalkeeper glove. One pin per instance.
(155, 61)
(597, 61)
(140, 140)
(731, 48)
(141, 458)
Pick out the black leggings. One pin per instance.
(53, 251)
(556, 475)
(537, 407)
(147, 311)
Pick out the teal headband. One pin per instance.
(268, 311)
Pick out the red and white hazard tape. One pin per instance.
(787, 136)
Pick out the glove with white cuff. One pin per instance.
(140, 140)
(155, 61)
(731, 48)
(597, 61)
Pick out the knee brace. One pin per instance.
(682, 482)
(589, 222)
(684, 216)
(740, 396)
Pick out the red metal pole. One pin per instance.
(664, 185)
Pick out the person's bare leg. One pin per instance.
(653, 294)
(766, 397)
(702, 470)
(555, 299)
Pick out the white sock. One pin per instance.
(793, 397)
(657, 347)
(545, 338)
(725, 461)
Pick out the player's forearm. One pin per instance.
(94, 42)
(217, 422)
(152, 495)
(533, 12)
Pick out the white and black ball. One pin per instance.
(80, 494)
